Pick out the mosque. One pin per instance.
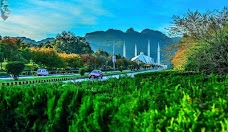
(146, 59)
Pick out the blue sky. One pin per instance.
(38, 19)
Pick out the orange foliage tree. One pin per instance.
(71, 60)
(186, 46)
(90, 62)
(9, 48)
(47, 57)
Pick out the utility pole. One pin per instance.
(113, 57)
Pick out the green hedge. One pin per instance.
(152, 103)
(4, 74)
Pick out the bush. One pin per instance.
(121, 68)
(82, 71)
(15, 68)
(158, 101)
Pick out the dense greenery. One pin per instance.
(69, 43)
(82, 71)
(15, 68)
(66, 51)
(204, 45)
(163, 101)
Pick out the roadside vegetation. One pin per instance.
(65, 52)
(204, 44)
(159, 101)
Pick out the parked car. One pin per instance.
(42, 72)
(96, 74)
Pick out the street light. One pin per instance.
(113, 51)
(114, 61)
(113, 57)
(113, 54)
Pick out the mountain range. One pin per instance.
(106, 39)
(28, 40)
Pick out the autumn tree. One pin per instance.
(13, 49)
(185, 47)
(47, 57)
(89, 61)
(9, 48)
(71, 60)
(206, 49)
(102, 57)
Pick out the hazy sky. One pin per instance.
(38, 19)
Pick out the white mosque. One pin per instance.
(143, 58)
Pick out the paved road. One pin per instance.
(86, 79)
(111, 76)
(10, 78)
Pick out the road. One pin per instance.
(10, 78)
(111, 76)
(85, 79)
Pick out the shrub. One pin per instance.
(82, 71)
(121, 68)
(15, 68)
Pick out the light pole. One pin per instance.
(113, 57)
(1, 59)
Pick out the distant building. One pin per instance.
(147, 59)
(143, 58)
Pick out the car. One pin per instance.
(42, 72)
(96, 74)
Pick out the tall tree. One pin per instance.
(71, 60)
(47, 57)
(67, 42)
(9, 48)
(185, 47)
(200, 26)
(206, 49)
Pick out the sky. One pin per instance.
(39, 19)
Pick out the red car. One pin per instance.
(96, 74)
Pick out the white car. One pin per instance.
(42, 72)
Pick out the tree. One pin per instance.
(82, 71)
(67, 42)
(185, 47)
(89, 61)
(47, 57)
(200, 26)
(71, 60)
(15, 68)
(102, 58)
(210, 58)
(9, 48)
(205, 47)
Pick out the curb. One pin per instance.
(34, 81)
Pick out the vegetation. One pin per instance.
(15, 68)
(163, 101)
(82, 71)
(66, 51)
(46, 57)
(67, 42)
(204, 45)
